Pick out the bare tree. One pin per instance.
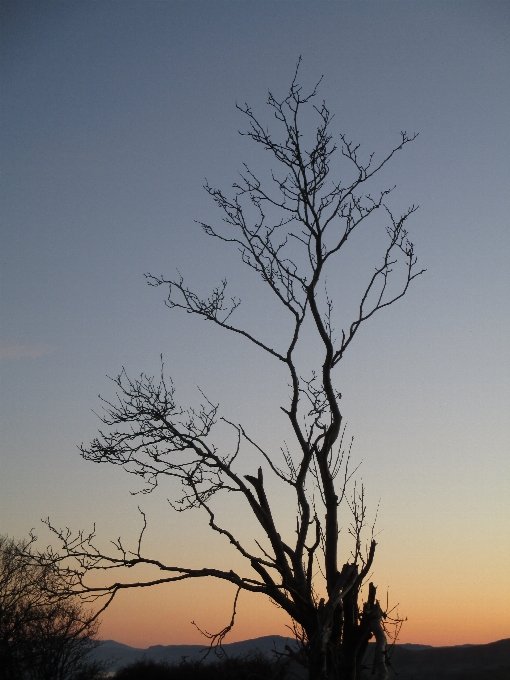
(289, 230)
(45, 634)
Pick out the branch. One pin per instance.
(209, 308)
(217, 638)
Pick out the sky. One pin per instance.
(113, 116)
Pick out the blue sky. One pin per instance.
(114, 114)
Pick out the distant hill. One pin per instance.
(411, 662)
(122, 655)
(465, 662)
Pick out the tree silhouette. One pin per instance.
(45, 634)
(290, 230)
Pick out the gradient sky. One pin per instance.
(113, 114)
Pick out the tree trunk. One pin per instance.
(335, 651)
(380, 667)
(329, 661)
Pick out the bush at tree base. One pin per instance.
(254, 667)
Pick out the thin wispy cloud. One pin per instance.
(15, 352)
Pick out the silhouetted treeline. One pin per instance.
(254, 667)
(261, 668)
(478, 662)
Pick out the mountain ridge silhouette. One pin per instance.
(410, 661)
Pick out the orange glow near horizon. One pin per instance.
(162, 616)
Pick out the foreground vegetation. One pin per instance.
(251, 668)
(256, 668)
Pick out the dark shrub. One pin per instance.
(254, 667)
